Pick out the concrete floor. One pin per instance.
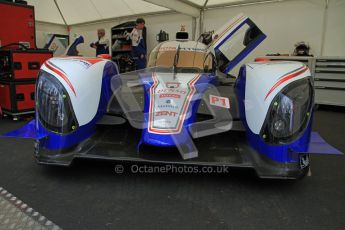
(90, 195)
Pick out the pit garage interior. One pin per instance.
(110, 194)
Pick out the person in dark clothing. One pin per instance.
(102, 44)
(138, 44)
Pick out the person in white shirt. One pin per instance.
(138, 44)
(102, 44)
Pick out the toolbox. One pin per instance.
(22, 64)
(17, 97)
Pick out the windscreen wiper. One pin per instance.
(176, 58)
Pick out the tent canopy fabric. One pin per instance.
(84, 11)
(81, 11)
(211, 3)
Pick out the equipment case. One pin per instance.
(17, 23)
(22, 64)
(17, 97)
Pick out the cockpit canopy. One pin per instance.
(185, 56)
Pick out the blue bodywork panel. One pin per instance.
(318, 145)
(30, 130)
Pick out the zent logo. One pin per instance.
(165, 113)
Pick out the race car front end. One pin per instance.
(276, 105)
(72, 95)
(183, 109)
(266, 127)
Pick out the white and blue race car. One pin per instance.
(184, 108)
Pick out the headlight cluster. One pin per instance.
(53, 105)
(289, 113)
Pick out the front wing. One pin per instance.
(120, 144)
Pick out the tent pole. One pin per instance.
(193, 28)
(63, 18)
(201, 19)
(243, 3)
(324, 25)
(201, 22)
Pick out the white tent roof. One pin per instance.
(83, 11)
(211, 3)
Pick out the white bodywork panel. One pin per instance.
(83, 83)
(263, 77)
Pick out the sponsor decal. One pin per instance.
(85, 62)
(166, 113)
(172, 84)
(171, 91)
(91, 61)
(223, 102)
(168, 106)
(162, 49)
(174, 48)
(171, 95)
(304, 161)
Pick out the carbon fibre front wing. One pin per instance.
(120, 144)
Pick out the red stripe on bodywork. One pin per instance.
(284, 79)
(62, 75)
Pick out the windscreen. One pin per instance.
(184, 59)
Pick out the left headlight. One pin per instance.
(53, 105)
(289, 113)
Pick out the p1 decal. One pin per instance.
(169, 105)
(223, 102)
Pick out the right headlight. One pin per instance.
(289, 113)
(53, 105)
